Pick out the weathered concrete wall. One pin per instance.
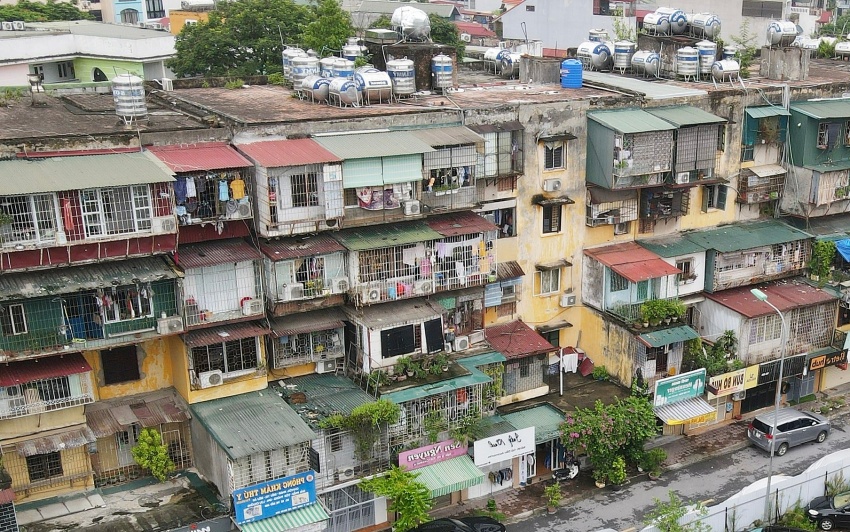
(785, 64)
(539, 70)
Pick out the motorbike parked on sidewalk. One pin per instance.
(569, 471)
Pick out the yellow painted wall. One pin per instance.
(180, 377)
(696, 219)
(75, 463)
(293, 371)
(607, 345)
(154, 369)
(35, 423)
(506, 249)
(177, 19)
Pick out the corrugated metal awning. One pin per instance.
(599, 195)
(632, 261)
(766, 170)
(215, 252)
(289, 520)
(495, 128)
(517, 340)
(387, 315)
(553, 265)
(227, 333)
(14, 373)
(386, 235)
(629, 121)
(540, 199)
(823, 109)
(54, 174)
(766, 111)
(685, 115)
(198, 157)
(693, 410)
(318, 320)
(368, 145)
(671, 245)
(556, 137)
(508, 270)
(290, 152)
(460, 223)
(448, 136)
(105, 418)
(450, 476)
(56, 441)
(546, 419)
(543, 329)
(669, 336)
(296, 248)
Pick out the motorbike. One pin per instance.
(569, 471)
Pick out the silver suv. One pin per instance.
(793, 428)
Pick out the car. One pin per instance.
(830, 512)
(462, 524)
(777, 528)
(793, 428)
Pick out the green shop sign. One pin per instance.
(679, 388)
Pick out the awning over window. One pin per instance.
(448, 136)
(56, 441)
(766, 111)
(693, 410)
(554, 265)
(685, 115)
(289, 152)
(508, 270)
(544, 329)
(599, 195)
(495, 128)
(386, 235)
(378, 144)
(556, 137)
(307, 322)
(14, 373)
(450, 476)
(289, 520)
(195, 157)
(767, 170)
(629, 121)
(105, 418)
(216, 335)
(668, 336)
(543, 201)
(460, 223)
(216, 252)
(632, 261)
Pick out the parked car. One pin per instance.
(462, 524)
(777, 528)
(793, 428)
(830, 512)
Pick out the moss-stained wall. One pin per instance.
(154, 370)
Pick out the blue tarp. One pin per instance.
(843, 247)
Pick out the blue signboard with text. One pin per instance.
(274, 497)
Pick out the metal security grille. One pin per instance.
(643, 153)
(306, 347)
(503, 154)
(268, 465)
(227, 357)
(220, 290)
(45, 395)
(44, 472)
(696, 148)
(119, 210)
(385, 263)
(350, 509)
(34, 219)
(305, 190)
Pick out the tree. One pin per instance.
(666, 515)
(152, 455)
(444, 31)
(409, 497)
(42, 12)
(330, 29)
(719, 358)
(838, 28)
(746, 42)
(241, 38)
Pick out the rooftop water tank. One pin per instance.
(326, 67)
(343, 68)
(344, 91)
(687, 62)
(676, 18)
(494, 55)
(598, 35)
(403, 76)
(656, 23)
(725, 69)
(128, 92)
(316, 87)
(594, 55)
(707, 56)
(781, 33)
(623, 52)
(375, 85)
(442, 70)
(352, 50)
(510, 65)
(303, 67)
(705, 25)
(288, 55)
(730, 51)
(411, 23)
(571, 74)
(842, 49)
(646, 62)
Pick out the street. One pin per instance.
(716, 478)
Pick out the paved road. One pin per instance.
(716, 478)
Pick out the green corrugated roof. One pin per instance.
(381, 144)
(326, 394)
(823, 227)
(671, 246)
(450, 476)
(685, 115)
(54, 174)
(830, 167)
(630, 121)
(252, 423)
(837, 108)
(545, 418)
(495, 425)
(669, 336)
(289, 520)
(90, 277)
(476, 376)
(737, 237)
(481, 360)
(385, 235)
(767, 111)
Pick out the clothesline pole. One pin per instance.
(561, 370)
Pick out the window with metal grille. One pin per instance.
(502, 154)
(155, 8)
(687, 267)
(31, 219)
(120, 364)
(618, 283)
(696, 147)
(385, 263)
(765, 328)
(549, 281)
(305, 347)
(125, 303)
(642, 290)
(847, 133)
(44, 466)
(119, 210)
(554, 152)
(714, 197)
(823, 135)
(228, 357)
(129, 16)
(551, 218)
(13, 320)
(305, 190)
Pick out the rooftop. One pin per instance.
(517, 340)
(785, 295)
(91, 28)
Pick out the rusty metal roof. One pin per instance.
(226, 333)
(508, 270)
(448, 136)
(325, 395)
(215, 252)
(290, 152)
(386, 235)
(317, 320)
(59, 440)
(199, 157)
(632, 261)
(785, 295)
(152, 409)
(303, 246)
(517, 340)
(37, 369)
(460, 223)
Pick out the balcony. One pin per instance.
(759, 184)
(46, 395)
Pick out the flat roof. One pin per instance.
(91, 28)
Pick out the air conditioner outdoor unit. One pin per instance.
(423, 286)
(739, 396)
(683, 178)
(370, 294)
(621, 228)
(551, 185)
(7, 26)
(465, 37)
(211, 378)
(154, 25)
(252, 306)
(167, 84)
(163, 224)
(461, 343)
(243, 210)
(170, 325)
(292, 291)
(412, 208)
(345, 473)
(476, 337)
(340, 285)
(18, 25)
(567, 300)
(326, 366)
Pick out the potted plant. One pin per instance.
(654, 311)
(599, 477)
(651, 462)
(617, 473)
(677, 309)
(441, 361)
(600, 373)
(552, 493)
(404, 366)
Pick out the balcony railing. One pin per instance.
(450, 199)
(46, 395)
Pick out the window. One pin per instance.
(33, 219)
(601, 7)
(551, 219)
(110, 211)
(721, 137)
(13, 320)
(501, 218)
(502, 154)
(847, 133)
(659, 355)
(687, 267)
(553, 337)
(155, 8)
(400, 341)
(126, 303)
(524, 370)
(120, 365)
(550, 281)
(761, 9)
(98, 75)
(765, 328)
(642, 290)
(129, 16)
(529, 8)
(618, 282)
(44, 466)
(506, 310)
(554, 155)
(65, 70)
(823, 135)
(714, 197)
(305, 190)
(235, 356)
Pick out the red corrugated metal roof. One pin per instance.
(195, 157)
(318, 320)
(152, 409)
(215, 252)
(825, 17)
(517, 340)
(7, 496)
(785, 295)
(632, 261)
(474, 29)
(227, 333)
(459, 223)
(42, 368)
(290, 152)
(293, 248)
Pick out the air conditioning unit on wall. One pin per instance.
(163, 224)
(288, 292)
(170, 325)
(423, 286)
(683, 178)
(251, 307)
(370, 294)
(412, 208)
(345, 473)
(552, 185)
(567, 300)
(211, 378)
(326, 366)
(461, 343)
(340, 285)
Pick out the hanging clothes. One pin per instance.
(67, 214)
(569, 361)
(180, 190)
(223, 191)
(191, 191)
(237, 188)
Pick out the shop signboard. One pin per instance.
(751, 376)
(274, 497)
(727, 383)
(504, 446)
(832, 359)
(431, 454)
(679, 387)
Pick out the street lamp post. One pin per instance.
(761, 296)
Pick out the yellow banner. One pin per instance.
(751, 377)
(699, 419)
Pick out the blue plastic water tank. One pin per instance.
(571, 74)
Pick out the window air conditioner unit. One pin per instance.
(18, 25)
(345, 473)
(292, 291)
(252, 306)
(370, 294)
(683, 178)
(170, 325)
(476, 337)
(423, 286)
(211, 378)
(412, 208)
(163, 224)
(154, 26)
(621, 228)
(243, 210)
(551, 185)
(567, 300)
(340, 285)
(461, 343)
(326, 366)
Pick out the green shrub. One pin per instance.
(276, 78)
(600, 373)
(234, 84)
(152, 455)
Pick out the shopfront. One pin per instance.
(828, 367)
(445, 469)
(548, 453)
(725, 392)
(503, 459)
(763, 394)
(678, 402)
